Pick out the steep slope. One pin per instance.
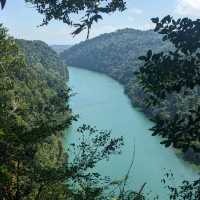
(39, 52)
(33, 115)
(113, 53)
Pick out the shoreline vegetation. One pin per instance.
(33, 116)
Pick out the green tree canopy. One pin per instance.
(90, 11)
(174, 71)
(163, 73)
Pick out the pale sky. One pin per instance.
(22, 19)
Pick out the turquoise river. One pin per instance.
(101, 101)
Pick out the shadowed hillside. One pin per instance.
(114, 53)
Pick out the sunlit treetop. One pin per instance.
(90, 11)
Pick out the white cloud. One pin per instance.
(189, 8)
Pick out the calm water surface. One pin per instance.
(101, 101)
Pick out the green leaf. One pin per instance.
(3, 2)
(142, 58)
(155, 20)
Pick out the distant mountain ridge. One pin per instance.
(112, 52)
(60, 48)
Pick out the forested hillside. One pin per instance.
(114, 53)
(33, 114)
(40, 52)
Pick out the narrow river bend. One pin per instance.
(101, 101)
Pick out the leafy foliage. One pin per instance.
(90, 11)
(32, 109)
(2, 2)
(189, 190)
(164, 73)
(175, 71)
(86, 183)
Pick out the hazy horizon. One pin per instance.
(23, 24)
(66, 44)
